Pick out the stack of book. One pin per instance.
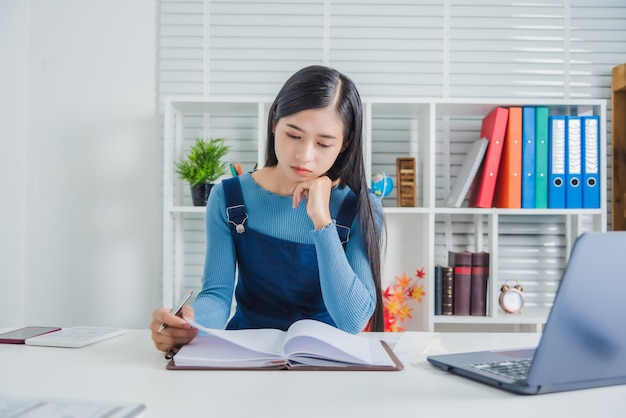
(526, 158)
(461, 286)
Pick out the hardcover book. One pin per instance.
(480, 277)
(438, 290)
(462, 264)
(306, 345)
(447, 290)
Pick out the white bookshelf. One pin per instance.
(436, 132)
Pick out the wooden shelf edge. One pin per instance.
(619, 78)
(618, 129)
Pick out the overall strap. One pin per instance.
(345, 217)
(235, 207)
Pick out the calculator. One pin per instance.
(75, 337)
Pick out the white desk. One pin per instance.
(128, 368)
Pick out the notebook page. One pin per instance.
(265, 341)
(310, 338)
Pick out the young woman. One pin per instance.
(304, 231)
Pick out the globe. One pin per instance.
(382, 184)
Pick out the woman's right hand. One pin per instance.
(177, 333)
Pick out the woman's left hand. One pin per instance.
(317, 194)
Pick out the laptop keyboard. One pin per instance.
(513, 369)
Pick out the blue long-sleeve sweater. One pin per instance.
(345, 276)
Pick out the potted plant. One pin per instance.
(202, 166)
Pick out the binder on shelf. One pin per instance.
(591, 159)
(483, 187)
(509, 183)
(573, 164)
(541, 157)
(466, 174)
(556, 161)
(528, 157)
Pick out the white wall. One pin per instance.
(81, 181)
(14, 37)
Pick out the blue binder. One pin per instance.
(556, 163)
(591, 159)
(573, 163)
(528, 157)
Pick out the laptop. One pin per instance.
(584, 341)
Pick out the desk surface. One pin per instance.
(128, 368)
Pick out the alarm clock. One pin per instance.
(511, 298)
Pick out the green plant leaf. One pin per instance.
(203, 163)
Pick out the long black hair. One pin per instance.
(316, 87)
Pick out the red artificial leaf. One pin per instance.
(386, 293)
(420, 273)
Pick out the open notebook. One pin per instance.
(584, 342)
(306, 345)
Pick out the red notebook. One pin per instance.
(484, 185)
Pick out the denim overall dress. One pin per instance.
(278, 280)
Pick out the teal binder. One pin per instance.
(541, 157)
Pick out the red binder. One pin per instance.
(484, 185)
(509, 183)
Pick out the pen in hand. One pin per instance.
(176, 310)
